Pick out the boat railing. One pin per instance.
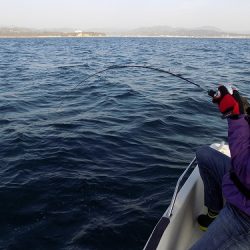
(177, 187)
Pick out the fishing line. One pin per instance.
(112, 67)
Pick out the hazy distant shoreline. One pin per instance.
(111, 36)
(5, 37)
(147, 32)
(32, 33)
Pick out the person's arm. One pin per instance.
(239, 144)
(233, 106)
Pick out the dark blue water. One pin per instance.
(99, 172)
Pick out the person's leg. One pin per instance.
(231, 230)
(212, 166)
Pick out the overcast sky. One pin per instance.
(229, 15)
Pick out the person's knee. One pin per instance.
(203, 154)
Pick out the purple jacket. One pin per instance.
(239, 144)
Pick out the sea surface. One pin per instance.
(93, 164)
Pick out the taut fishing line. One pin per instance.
(112, 67)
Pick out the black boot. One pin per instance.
(205, 220)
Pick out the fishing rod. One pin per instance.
(113, 67)
(211, 93)
(140, 66)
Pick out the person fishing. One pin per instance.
(227, 226)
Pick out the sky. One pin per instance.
(228, 15)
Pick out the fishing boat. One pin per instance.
(178, 228)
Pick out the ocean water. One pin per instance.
(92, 165)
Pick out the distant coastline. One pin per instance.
(122, 36)
(31, 33)
(156, 31)
(49, 36)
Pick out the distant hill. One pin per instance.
(27, 32)
(179, 32)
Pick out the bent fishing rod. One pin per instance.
(139, 66)
(114, 67)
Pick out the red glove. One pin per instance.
(229, 101)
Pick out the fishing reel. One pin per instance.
(243, 104)
(217, 97)
(217, 94)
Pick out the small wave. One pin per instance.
(191, 68)
(154, 123)
(84, 65)
(65, 125)
(126, 94)
(244, 73)
(5, 121)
